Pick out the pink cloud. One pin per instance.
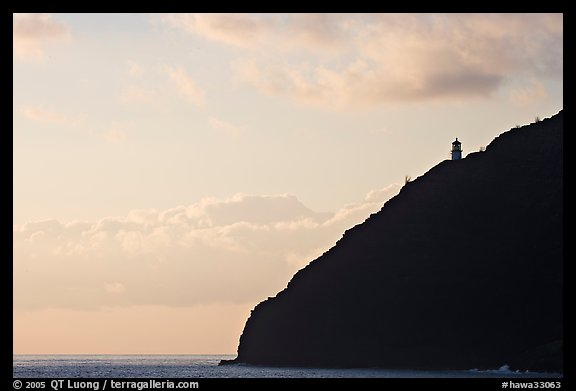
(364, 60)
(216, 250)
(39, 113)
(30, 33)
(186, 85)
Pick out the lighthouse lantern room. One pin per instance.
(456, 150)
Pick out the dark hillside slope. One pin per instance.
(462, 269)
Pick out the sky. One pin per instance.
(171, 171)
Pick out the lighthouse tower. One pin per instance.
(456, 150)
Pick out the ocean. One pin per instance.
(206, 366)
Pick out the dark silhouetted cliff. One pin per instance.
(462, 269)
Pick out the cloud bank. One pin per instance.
(364, 60)
(235, 250)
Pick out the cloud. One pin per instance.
(30, 33)
(233, 29)
(279, 32)
(530, 93)
(365, 60)
(234, 250)
(114, 135)
(134, 69)
(362, 84)
(224, 127)
(136, 89)
(39, 113)
(114, 132)
(186, 86)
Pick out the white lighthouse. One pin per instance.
(456, 150)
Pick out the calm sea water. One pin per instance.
(206, 366)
